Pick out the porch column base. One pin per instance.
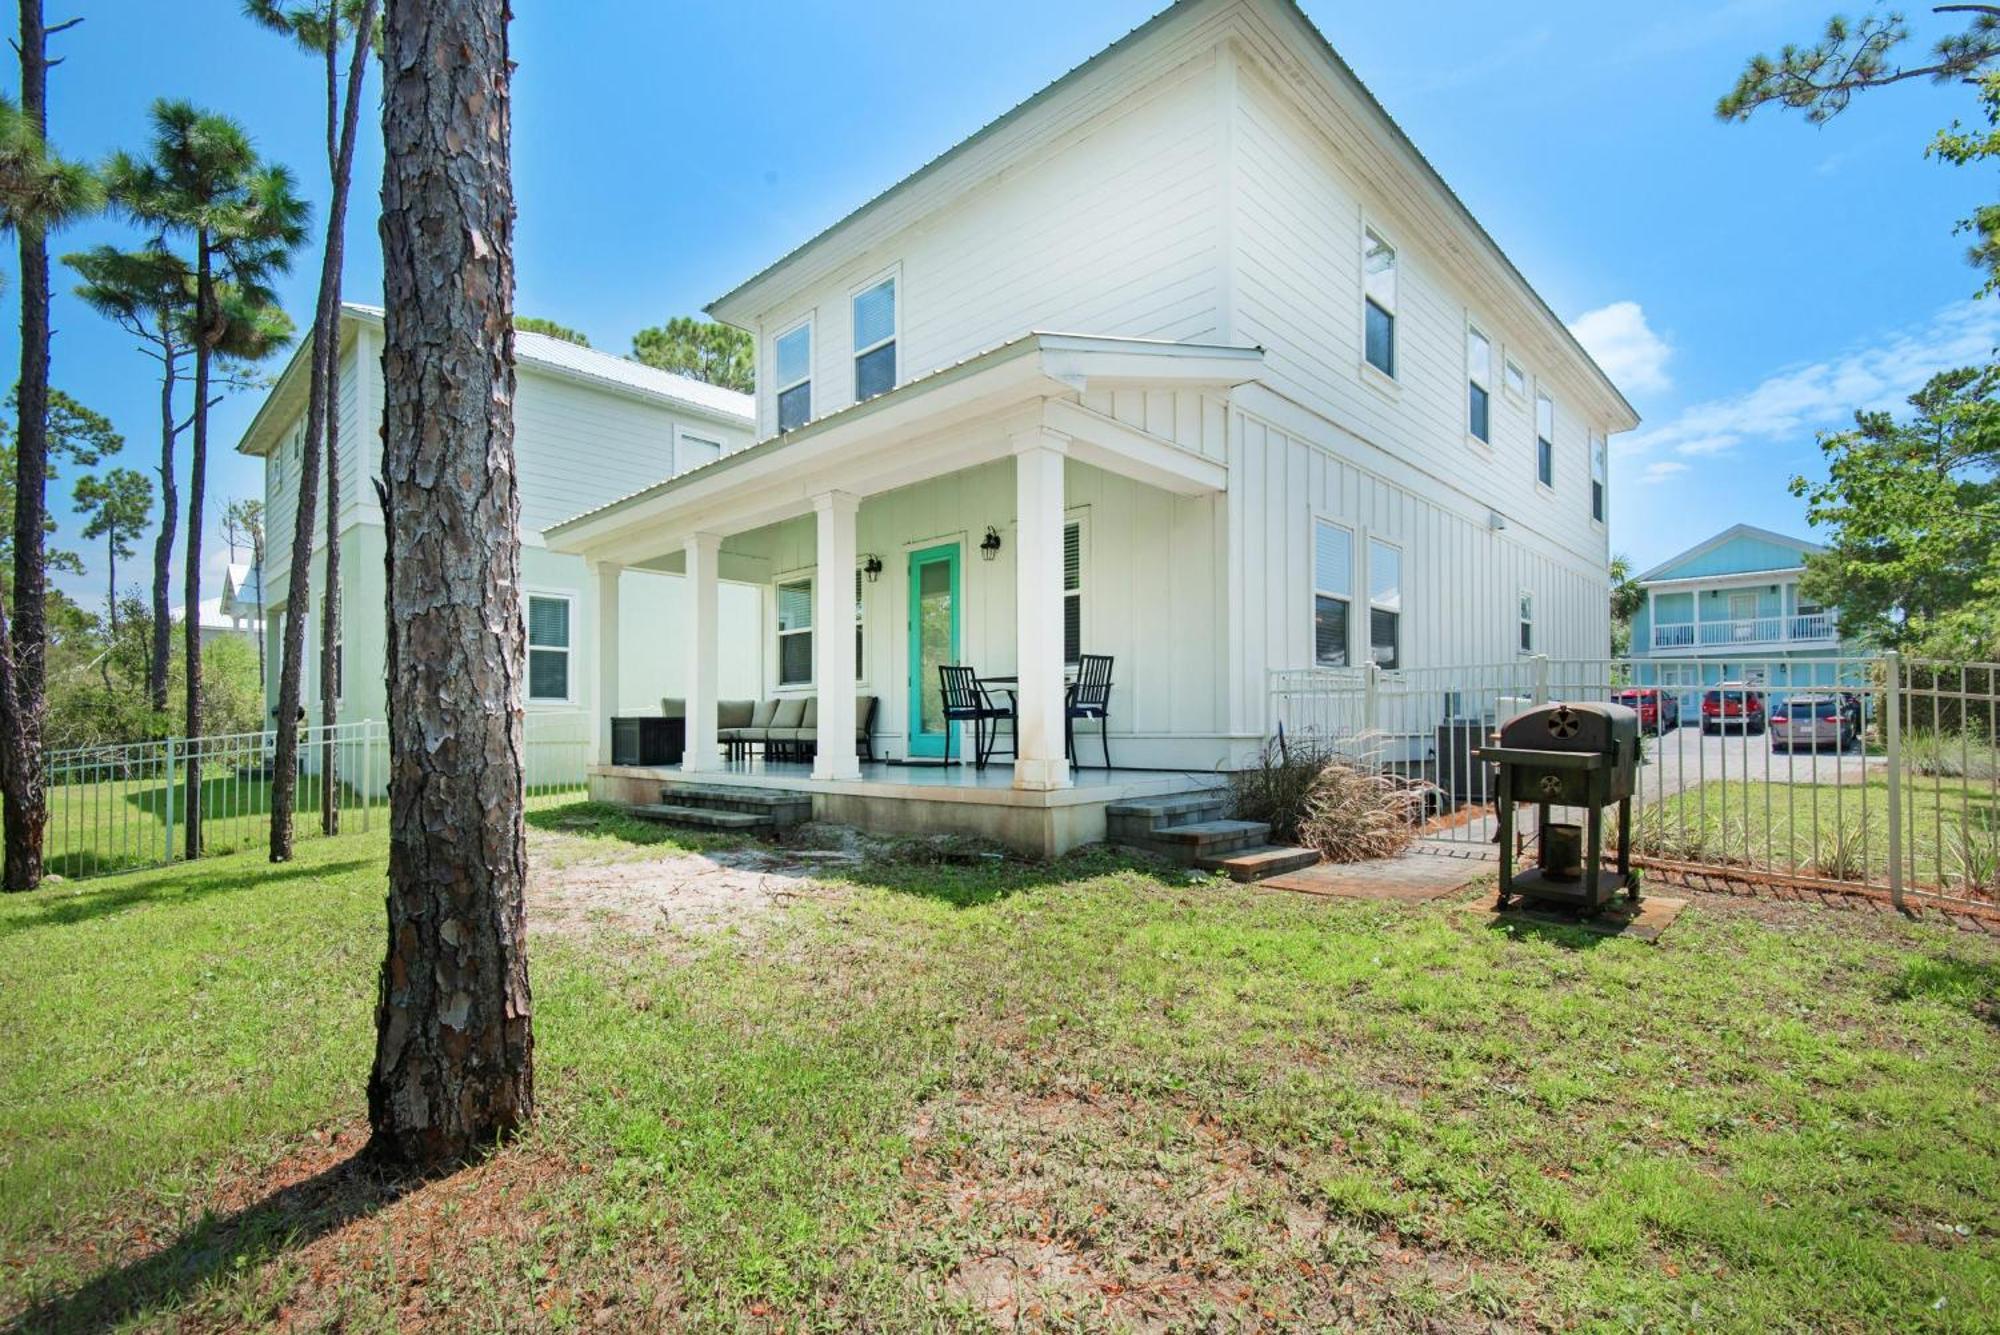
(1041, 776)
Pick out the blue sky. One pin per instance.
(1748, 285)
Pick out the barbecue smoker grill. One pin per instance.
(1567, 755)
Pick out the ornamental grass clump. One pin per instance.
(1348, 809)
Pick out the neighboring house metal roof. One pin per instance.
(213, 617)
(1323, 47)
(1728, 535)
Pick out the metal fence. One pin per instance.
(1874, 771)
(127, 806)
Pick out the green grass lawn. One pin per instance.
(1951, 828)
(1083, 1095)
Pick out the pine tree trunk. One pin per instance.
(25, 803)
(163, 546)
(454, 1056)
(204, 310)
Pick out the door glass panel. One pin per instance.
(933, 638)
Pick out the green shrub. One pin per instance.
(1348, 809)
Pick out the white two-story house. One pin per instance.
(1191, 360)
(588, 427)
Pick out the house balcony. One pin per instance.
(1806, 630)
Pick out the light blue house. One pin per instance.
(1729, 609)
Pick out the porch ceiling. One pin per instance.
(951, 419)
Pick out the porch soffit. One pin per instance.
(940, 423)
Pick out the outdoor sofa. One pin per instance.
(786, 728)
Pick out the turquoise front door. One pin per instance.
(933, 643)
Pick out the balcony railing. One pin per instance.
(1804, 628)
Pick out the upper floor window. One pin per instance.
(1516, 379)
(1527, 622)
(875, 340)
(1479, 384)
(548, 647)
(1385, 604)
(1333, 592)
(1545, 439)
(1597, 477)
(1378, 289)
(794, 368)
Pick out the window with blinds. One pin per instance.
(1333, 592)
(1479, 384)
(875, 340)
(795, 641)
(1597, 478)
(1527, 622)
(1385, 604)
(1545, 439)
(1378, 311)
(548, 647)
(1072, 592)
(860, 641)
(794, 376)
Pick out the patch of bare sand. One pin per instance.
(679, 893)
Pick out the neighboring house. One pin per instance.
(1191, 359)
(220, 620)
(588, 427)
(242, 598)
(1729, 609)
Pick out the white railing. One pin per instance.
(130, 805)
(1897, 784)
(1804, 628)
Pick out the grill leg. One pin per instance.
(1593, 855)
(1506, 807)
(1625, 850)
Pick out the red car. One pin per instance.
(1659, 711)
(1734, 705)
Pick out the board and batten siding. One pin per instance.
(1150, 599)
(1112, 231)
(1298, 218)
(1461, 579)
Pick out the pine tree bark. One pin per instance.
(163, 546)
(25, 802)
(206, 333)
(454, 1066)
(322, 430)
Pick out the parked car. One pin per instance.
(1733, 704)
(1813, 720)
(1659, 711)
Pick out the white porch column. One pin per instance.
(704, 551)
(1039, 762)
(833, 636)
(1652, 625)
(606, 578)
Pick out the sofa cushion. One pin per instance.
(811, 720)
(789, 713)
(761, 716)
(734, 713)
(672, 708)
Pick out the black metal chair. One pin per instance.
(966, 701)
(1089, 698)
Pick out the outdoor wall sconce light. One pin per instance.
(872, 568)
(989, 546)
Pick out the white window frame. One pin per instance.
(894, 276)
(1315, 592)
(1543, 395)
(1524, 612)
(1600, 479)
(1472, 327)
(1402, 569)
(807, 576)
(682, 433)
(1369, 370)
(1510, 372)
(568, 598)
(807, 323)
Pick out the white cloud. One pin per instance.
(1795, 402)
(1660, 470)
(1621, 341)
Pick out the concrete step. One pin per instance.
(1254, 864)
(704, 818)
(780, 806)
(1189, 843)
(1174, 808)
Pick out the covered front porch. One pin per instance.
(1057, 497)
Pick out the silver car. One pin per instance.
(1813, 721)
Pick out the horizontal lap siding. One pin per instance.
(1297, 226)
(1149, 590)
(1461, 579)
(1113, 232)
